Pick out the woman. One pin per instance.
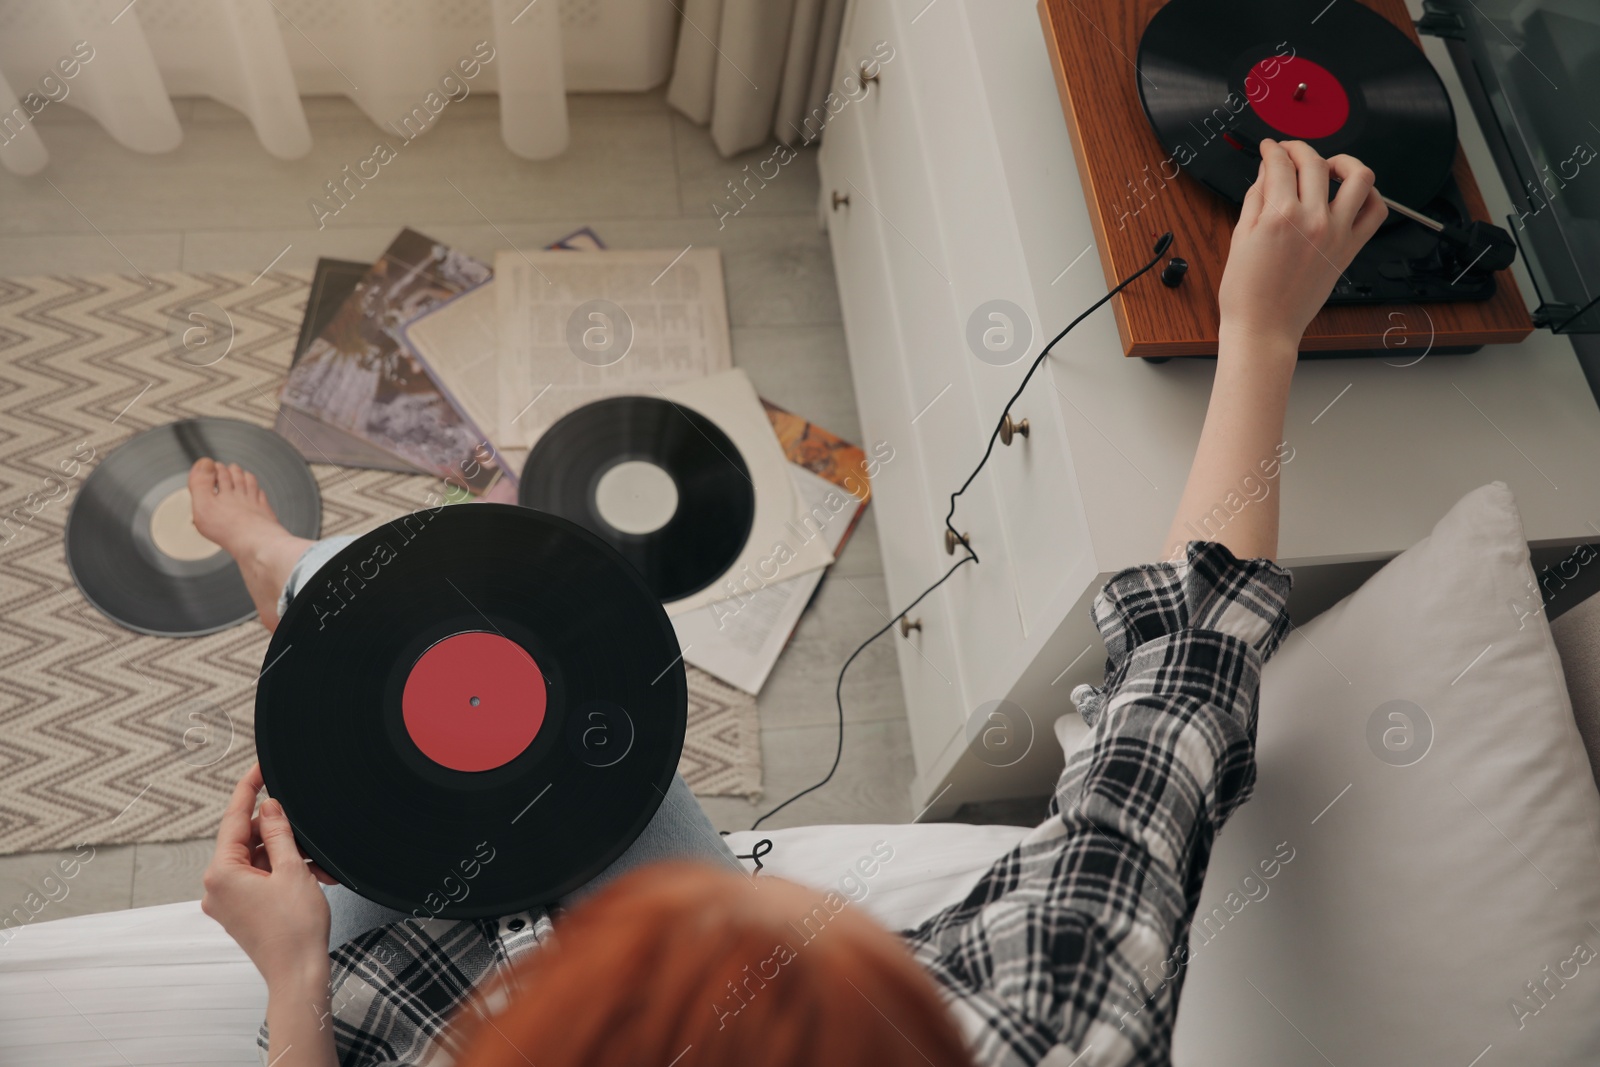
(1071, 949)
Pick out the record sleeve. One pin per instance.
(331, 284)
(359, 377)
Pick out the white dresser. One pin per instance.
(951, 184)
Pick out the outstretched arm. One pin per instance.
(1289, 247)
(1078, 939)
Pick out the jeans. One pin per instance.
(678, 830)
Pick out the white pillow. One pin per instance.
(1410, 905)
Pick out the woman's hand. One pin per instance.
(261, 889)
(1292, 243)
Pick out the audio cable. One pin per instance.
(1160, 249)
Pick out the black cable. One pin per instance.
(762, 847)
(1160, 249)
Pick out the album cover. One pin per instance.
(359, 377)
(739, 640)
(574, 327)
(449, 340)
(331, 285)
(582, 239)
(316, 441)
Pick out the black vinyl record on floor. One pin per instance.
(471, 710)
(182, 587)
(1338, 76)
(594, 467)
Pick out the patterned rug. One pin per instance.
(108, 736)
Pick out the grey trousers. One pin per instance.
(679, 829)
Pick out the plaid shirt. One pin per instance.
(1072, 947)
(395, 988)
(1075, 942)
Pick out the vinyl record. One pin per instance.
(658, 481)
(471, 710)
(1338, 76)
(131, 547)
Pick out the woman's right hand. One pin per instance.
(261, 889)
(1292, 243)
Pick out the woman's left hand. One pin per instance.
(260, 887)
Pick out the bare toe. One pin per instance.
(203, 476)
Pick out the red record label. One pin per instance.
(474, 701)
(1317, 110)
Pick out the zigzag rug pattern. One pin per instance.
(107, 736)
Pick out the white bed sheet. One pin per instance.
(166, 985)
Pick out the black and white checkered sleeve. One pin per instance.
(1075, 943)
(394, 990)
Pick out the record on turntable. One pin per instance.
(690, 485)
(1217, 78)
(1166, 102)
(133, 550)
(471, 710)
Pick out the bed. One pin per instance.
(1435, 893)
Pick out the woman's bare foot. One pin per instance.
(231, 509)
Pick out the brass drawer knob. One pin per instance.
(1010, 429)
(839, 200)
(866, 77)
(907, 625)
(951, 540)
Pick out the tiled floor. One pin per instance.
(642, 177)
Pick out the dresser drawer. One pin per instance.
(948, 432)
(1036, 505)
(926, 647)
(1037, 486)
(894, 188)
(929, 668)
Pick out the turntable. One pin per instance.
(1165, 103)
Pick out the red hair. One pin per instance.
(719, 970)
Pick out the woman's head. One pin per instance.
(692, 961)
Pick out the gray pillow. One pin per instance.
(1577, 636)
(1422, 853)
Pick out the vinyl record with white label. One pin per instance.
(656, 480)
(132, 548)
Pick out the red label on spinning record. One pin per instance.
(474, 701)
(1303, 101)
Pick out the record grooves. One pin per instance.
(471, 710)
(606, 467)
(1351, 83)
(113, 545)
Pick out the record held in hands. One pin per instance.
(471, 710)
(1339, 76)
(658, 481)
(130, 544)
